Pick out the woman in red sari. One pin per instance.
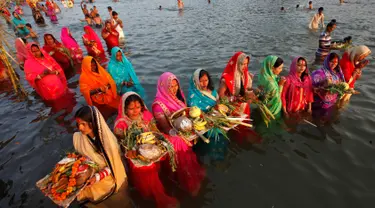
(169, 99)
(93, 44)
(110, 35)
(352, 63)
(58, 52)
(146, 179)
(44, 74)
(236, 82)
(297, 94)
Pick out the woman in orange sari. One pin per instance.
(97, 85)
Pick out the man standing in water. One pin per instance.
(84, 9)
(325, 45)
(117, 24)
(110, 12)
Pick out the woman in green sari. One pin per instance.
(203, 95)
(271, 83)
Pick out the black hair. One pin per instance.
(14, 13)
(24, 40)
(28, 25)
(310, 2)
(333, 56)
(85, 113)
(330, 25)
(304, 74)
(114, 13)
(210, 83)
(36, 45)
(109, 8)
(320, 9)
(297, 6)
(278, 62)
(97, 15)
(87, 15)
(134, 98)
(333, 21)
(282, 8)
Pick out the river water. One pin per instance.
(310, 167)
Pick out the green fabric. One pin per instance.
(269, 81)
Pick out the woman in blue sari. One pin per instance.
(203, 95)
(20, 25)
(123, 74)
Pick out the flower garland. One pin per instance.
(60, 196)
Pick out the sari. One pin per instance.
(322, 78)
(50, 87)
(349, 59)
(297, 93)
(113, 38)
(21, 31)
(105, 152)
(145, 178)
(268, 81)
(189, 172)
(71, 44)
(59, 53)
(237, 80)
(92, 43)
(51, 12)
(205, 100)
(21, 51)
(124, 72)
(90, 80)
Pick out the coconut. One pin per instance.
(195, 112)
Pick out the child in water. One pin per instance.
(32, 33)
(310, 5)
(98, 21)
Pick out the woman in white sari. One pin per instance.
(96, 141)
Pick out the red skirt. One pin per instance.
(146, 181)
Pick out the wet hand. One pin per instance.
(357, 72)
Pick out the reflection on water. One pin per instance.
(298, 165)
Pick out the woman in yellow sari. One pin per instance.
(97, 85)
(96, 141)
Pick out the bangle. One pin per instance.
(97, 176)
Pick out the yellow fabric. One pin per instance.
(90, 81)
(83, 145)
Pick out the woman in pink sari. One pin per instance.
(44, 74)
(21, 50)
(169, 99)
(93, 44)
(297, 94)
(71, 44)
(51, 13)
(146, 179)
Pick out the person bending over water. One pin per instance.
(32, 33)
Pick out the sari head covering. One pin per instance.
(91, 35)
(145, 115)
(357, 51)
(46, 46)
(90, 80)
(164, 96)
(269, 81)
(234, 75)
(67, 39)
(297, 83)
(51, 86)
(106, 153)
(335, 75)
(124, 72)
(198, 97)
(21, 50)
(20, 21)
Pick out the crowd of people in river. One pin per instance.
(118, 88)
